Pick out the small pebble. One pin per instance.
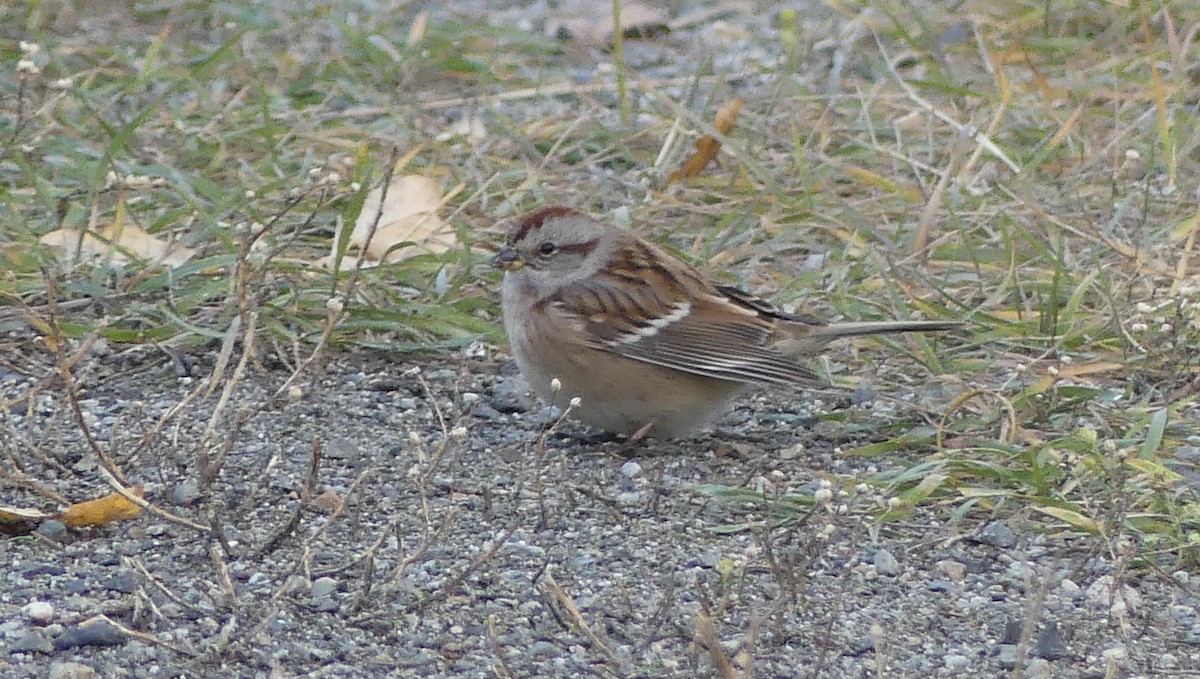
(1070, 589)
(885, 563)
(1050, 643)
(631, 469)
(98, 631)
(31, 641)
(323, 587)
(955, 662)
(997, 534)
(39, 612)
(953, 570)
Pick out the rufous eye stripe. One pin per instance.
(534, 220)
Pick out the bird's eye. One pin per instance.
(547, 248)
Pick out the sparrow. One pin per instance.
(649, 345)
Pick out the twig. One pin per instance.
(559, 596)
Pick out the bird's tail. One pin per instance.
(805, 338)
(860, 328)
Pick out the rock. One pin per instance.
(1006, 655)
(885, 563)
(40, 612)
(185, 492)
(1070, 589)
(1119, 600)
(484, 411)
(53, 529)
(631, 469)
(98, 631)
(511, 395)
(125, 582)
(953, 570)
(323, 587)
(31, 641)
(997, 534)
(1050, 643)
(955, 662)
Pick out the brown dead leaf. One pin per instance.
(707, 146)
(111, 507)
(408, 221)
(1077, 370)
(123, 241)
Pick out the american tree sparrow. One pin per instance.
(648, 343)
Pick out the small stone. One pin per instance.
(125, 582)
(1114, 656)
(1050, 643)
(323, 587)
(1006, 656)
(40, 612)
(185, 492)
(792, 453)
(953, 570)
(53, 529)
(631, 469)
(98, 631)
(484, 411)
(70, 670)
(469, 398)
(955, 662)
(31, 641)
(511, 395)
(1070, 589)
(885, 563)
(997, 534)
(1105, 593)
(1012, 632)
(258, 581)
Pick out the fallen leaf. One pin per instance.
(122, 241)
(111, 507)
(707, 146)
(408, 221)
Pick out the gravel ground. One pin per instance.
(473, 550)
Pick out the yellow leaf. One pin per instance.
(111, 507)
(1071, 517)
(1154, 469)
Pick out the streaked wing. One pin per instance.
(709, 336)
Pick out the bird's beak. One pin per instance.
(508, 259)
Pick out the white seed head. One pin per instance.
(555, 384)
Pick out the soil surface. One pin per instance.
(444, 531)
